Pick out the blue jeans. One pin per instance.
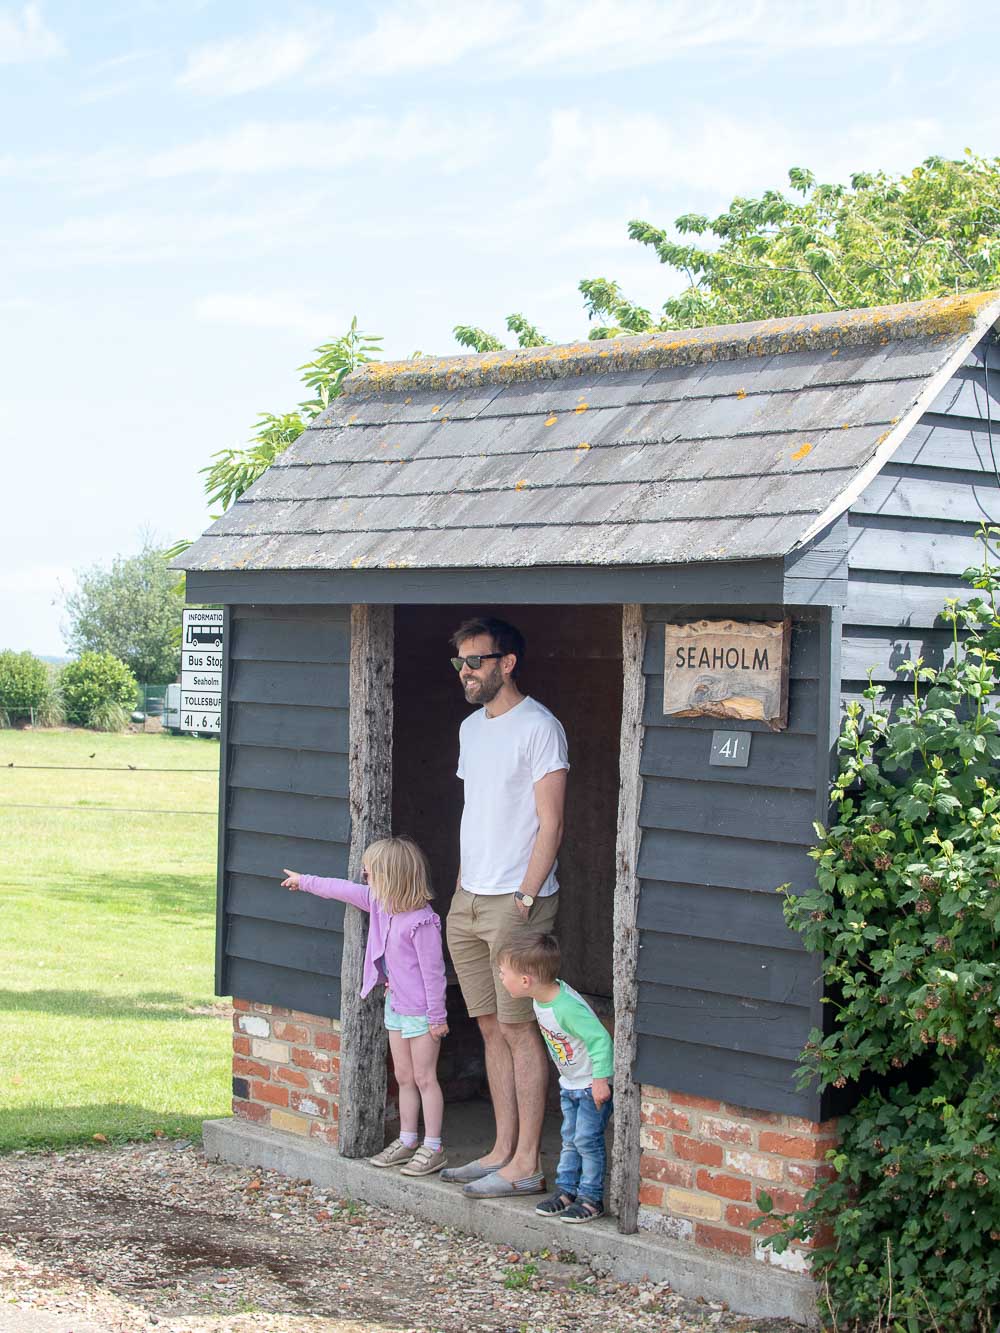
(583, 1158)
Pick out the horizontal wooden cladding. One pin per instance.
(776, 758)
(323, 818)
(311, 683)
(965, 393)
(900, 599)
(951, 443)
(726, 810)
(727, 1022)
(274, 639)
(266, 855)
(287, 726)
(765, 1083)
(883, 651)
(956, 496)
(803, 703)
(711, 913)
(264, 768)
(753, 972)
(804, 662)
(935, 546)
(733, 863)
(266, 984)
(311, 613)
(257, 896)
(278, 944)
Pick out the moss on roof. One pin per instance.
(946, 318)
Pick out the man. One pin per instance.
(513, 760)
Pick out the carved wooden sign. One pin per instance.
(728, 668)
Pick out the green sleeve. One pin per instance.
(581, 1021)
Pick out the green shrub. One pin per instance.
(94, 682)
(24, 684)
(109, 716)
(906, 913)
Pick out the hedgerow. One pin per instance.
(905, 912)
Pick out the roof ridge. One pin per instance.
(946, 317)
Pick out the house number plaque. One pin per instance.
(730, 748)
(728, 669)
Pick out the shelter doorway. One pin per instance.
(573, 665)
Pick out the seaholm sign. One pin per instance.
(728, 668)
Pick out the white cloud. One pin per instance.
(558, 38)
(244, 64)
(270, 310)
(721, 155)
(427, 35)
(145, 237)
(24, 36)
(319, 146)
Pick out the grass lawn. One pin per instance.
(108, 1023)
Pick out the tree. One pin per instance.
(232, 471)
(932, 231)
(133, 611)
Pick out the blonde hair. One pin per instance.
(399, 874)
(536, 956)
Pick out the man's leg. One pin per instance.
(530, 1067)
(501, 1075)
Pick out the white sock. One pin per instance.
(433, 1144)
(409, 1139)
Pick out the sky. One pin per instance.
(196, 193)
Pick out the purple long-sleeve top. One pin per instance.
(403, 948)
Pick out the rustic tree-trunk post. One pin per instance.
(625, 949)
(362, 1036)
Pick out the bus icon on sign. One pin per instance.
(200, 636)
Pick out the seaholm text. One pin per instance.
(698, 659)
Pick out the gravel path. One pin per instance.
(152, 1237)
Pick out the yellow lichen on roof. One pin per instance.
(947, 319)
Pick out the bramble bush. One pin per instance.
(905, 912)
(98, 691)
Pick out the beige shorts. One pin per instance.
(479, 925)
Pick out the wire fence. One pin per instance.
(98, 809)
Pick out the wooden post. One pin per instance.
(625, 949)
(362, 1036)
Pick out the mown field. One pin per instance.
(108, 1023)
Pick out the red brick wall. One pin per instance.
(705, 1162)
(286, 1069)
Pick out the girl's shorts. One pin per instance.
(410, 1025)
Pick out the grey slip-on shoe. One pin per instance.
(494, 1186)
(465, 1175)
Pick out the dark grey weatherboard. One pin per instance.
(711, 446)
(912, 532)
(285, 804)
(727, 995)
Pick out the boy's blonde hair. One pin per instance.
(399, 874)
(537, 956)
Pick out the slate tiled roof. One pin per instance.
(727, 443)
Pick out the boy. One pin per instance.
(584, 1055)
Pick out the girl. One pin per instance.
(404, 952)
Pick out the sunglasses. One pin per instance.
(474, 661)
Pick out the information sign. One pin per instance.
(201, 671)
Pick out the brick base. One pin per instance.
(705, 1162)
(286, 1069)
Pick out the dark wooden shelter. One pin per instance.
(831, 469)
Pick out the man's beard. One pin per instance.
(485, 690)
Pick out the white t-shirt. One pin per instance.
(500, 759)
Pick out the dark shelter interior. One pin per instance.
(573, 665)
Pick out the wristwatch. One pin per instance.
(524, 898)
